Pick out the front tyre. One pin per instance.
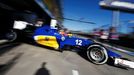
(97, 54)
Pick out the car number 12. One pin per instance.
(78, 42)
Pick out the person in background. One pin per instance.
(113, 35)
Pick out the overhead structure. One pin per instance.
(124, 5)
(79, 20)
(45, 9)
(116, 18)
(116, 6)
(53, 8)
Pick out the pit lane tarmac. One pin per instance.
(35, 60)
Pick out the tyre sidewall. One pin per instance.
(104, 60)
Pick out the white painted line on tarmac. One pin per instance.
(75, 72)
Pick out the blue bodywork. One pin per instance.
(113, 54)
(68, 40)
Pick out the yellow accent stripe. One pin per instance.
(49, 41)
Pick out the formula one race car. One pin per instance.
(95, 52)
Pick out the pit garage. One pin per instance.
(19, 10)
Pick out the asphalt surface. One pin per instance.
(28, 59)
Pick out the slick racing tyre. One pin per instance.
(97, 54)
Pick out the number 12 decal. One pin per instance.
(78, 42)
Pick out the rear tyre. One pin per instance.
(97, 54)
(11, 36)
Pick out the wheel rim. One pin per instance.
(97, 54)
(11, 36)
(101, 55)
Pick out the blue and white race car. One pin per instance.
(95, 52)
